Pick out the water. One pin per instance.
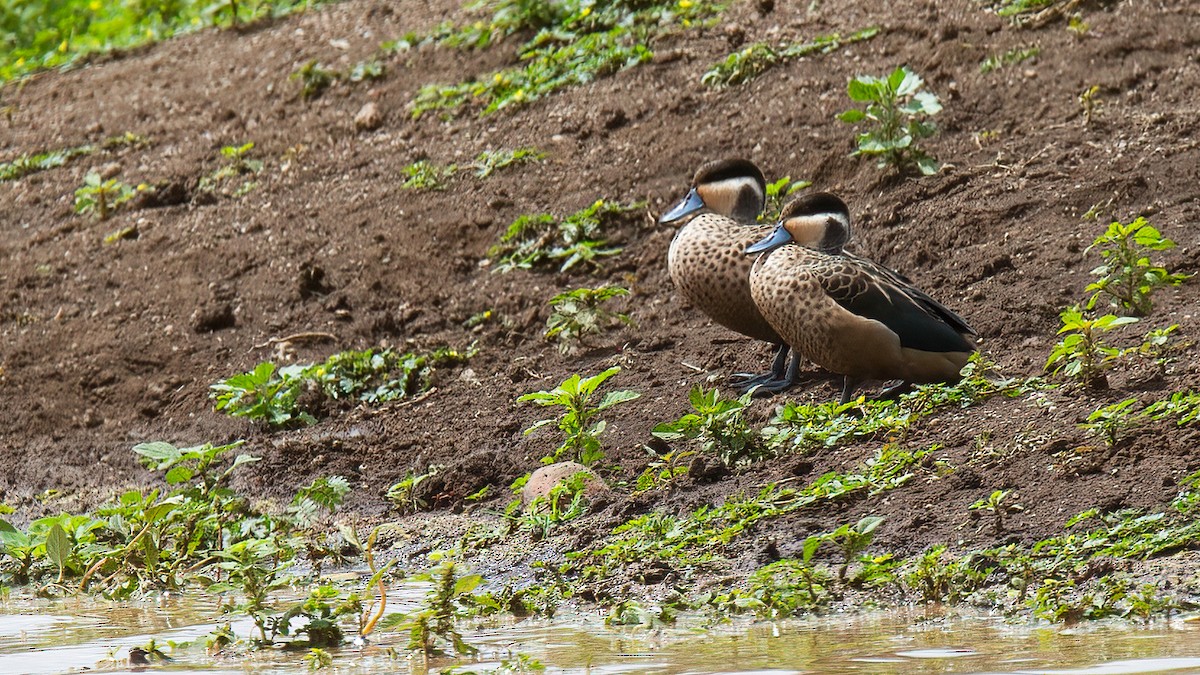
(83, 634)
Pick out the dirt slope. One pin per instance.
(106, 345)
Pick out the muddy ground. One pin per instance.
(104, 345)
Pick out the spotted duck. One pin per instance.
(707, 260)
(848, 314)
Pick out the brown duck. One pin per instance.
(848, 314)
(707, 258)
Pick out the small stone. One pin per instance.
(110, 170)
(542, 481)
(368, 117)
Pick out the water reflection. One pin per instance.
(73, 635)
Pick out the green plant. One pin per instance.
(662, 470)
(540, 239)
(318, 659)
(1011, 57)
(101, 196)
(431, 629)
(1127, 277)
(404, 496)
(1081, 353)
(1107, 422)
(41, 161)
(994, 504)
(565, 502)
(237, 162)
(853, 540)
(576, 314)
(1089, 102)
(897, 110)
(370, 69)
(273, 395)
(1184, 406)
(314, 79)
(579, 421)
(490, 161)
(424, 175)
(751, 61)
(718, 425)
(777, 194)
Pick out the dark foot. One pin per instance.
(895, 391)
(770, 387)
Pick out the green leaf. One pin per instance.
(467, 584)
(58, 546)
(156, 512)
(614, 397)
(863, 89)
(853, 115)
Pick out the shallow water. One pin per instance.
(81, 634)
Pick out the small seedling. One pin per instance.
(366, 70)
(1089, 102)
(425, 175)
(750, 62)
(1184, 406)
(431, 628)
(536, 240)
(578, 422)
(1011, 57)
(663, 470)
(853, 540)
(1081, 353)
(404, 496)
(1077, 25)
(576, 314)
(565, 502)
(994, 504)
(1127, 276)
(1108, 422)
(238, 162)
(777, 194)
(490, 161)
(314, 79)
(101, 196)
(718, 425)
(897, 109)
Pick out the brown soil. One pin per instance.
(107, 345)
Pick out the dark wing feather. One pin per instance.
(905, 286)
(917, 319)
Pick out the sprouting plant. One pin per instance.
(897, 110)
(579, 421)
(995, 505)
(565, 502)
(432, 627)
(1159, 344)
(425, 175)
(1127, 276)
(490, 161)
(1011, 57)
(751, 61)
(1089, 102)
(777, 194)
(1184, 406)
(318, 659)
(1081, 353)
(1077, 25)
(719, 426)
(314, 79)
(576, 314)
(41, 161)
(535, 240)
(853, 540)
(237, 162)
(371, 69)
(662, 470)
(404, 496)
(1108, 421)
(101, 196)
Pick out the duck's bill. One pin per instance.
(689, 205)
(778, 237)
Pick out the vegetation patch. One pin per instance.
(750, 62)
(37, 35)
(579, 421)
(1011, 57)
(26, 164)
(542, 240)
(574, 42)
(579, 313)
(425, 175)
(274, 395)
(896, 112)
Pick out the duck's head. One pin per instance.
(730, 187)
(819, 221)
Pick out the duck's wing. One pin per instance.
(917, 319)
(904, 285)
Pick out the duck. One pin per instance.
(706, 259)
(848, 314)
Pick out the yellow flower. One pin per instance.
(587, 11)
(519, 95)
(63, 47)
(684, 4)
(95, 5)
(20, 62)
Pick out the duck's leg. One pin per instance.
(848, 386)
(745, 381)
(894, 391)
(781, 378)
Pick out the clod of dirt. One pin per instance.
(542, 481)
(168, 193)
(312, 282)
(368, 117)
(110, 170)
(213, 317)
